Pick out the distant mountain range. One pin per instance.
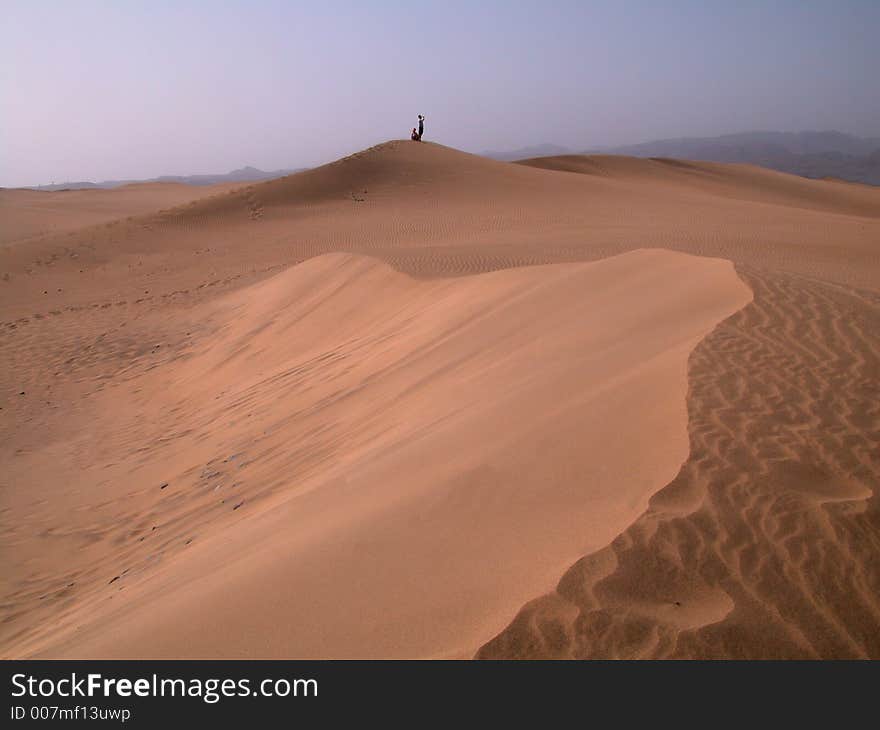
(810, 154)
(243, 174)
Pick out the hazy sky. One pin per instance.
(94, 90)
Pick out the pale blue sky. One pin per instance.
(91, 90)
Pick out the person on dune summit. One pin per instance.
(416, 136)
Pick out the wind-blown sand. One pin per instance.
(233, 429)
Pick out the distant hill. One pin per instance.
(243, 174)
(809, 154)
(540, 150)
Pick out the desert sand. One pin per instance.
(418, 403)
(32, 213)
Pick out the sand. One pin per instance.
(33, 213)
(418, 403)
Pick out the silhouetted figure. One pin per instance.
(415, 136)
(421, 126)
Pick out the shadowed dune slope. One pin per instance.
(200, 407)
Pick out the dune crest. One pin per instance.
(399, 473)
(769, 534)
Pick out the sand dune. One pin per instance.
(766, 542)
(410, 467)
(738, 181)
(230, 428)
(29, 213)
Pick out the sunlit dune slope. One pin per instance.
(363, 464)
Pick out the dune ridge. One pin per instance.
(765, 543)
(364, 475)
(775, 491)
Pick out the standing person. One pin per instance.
(421, 126)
